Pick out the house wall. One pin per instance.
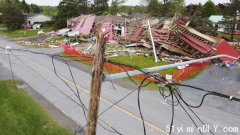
(39, 18)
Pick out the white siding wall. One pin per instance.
(39, 18)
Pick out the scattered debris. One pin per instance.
(170, 38)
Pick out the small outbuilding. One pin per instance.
(33, 18)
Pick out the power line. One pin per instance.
(173, 92)
(81, 104)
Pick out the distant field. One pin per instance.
(20, 115)
(21, 33)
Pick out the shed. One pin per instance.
(37, 17)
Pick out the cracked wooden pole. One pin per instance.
(97, 76)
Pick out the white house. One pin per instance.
(33, 18)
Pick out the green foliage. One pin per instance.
(153, 7)
(20, 115)
(99, 6)
(191, 9)
(202, 24)
(178, 6)
(24, 7)
(132, 9)
(167, 8)
(199, 22)
(231, 11)
(35, 8)
(209, 9)
(49, 10)
(12, 16)
(68, 9)
(115, 5)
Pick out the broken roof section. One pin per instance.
(223, 47)
(87, 25)
(111, 18)
(81, 25)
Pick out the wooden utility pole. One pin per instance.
(97, 76)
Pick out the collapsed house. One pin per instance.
(170, 36)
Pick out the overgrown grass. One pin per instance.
(227, 36)
(20, 115)
(21, 33)
(142, 62)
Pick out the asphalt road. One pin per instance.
(38, 72)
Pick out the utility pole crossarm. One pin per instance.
(152, 69)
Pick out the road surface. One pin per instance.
(38, 72)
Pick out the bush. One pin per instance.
(12, 16)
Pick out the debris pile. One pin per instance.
(169, 38)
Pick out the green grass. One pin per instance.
(21, 32)
(228, 36)
(20, 115)
(142, 62)
(136, 61)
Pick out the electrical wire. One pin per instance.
(114, 130)
(173, 113)
(186, 112)
(177, 94)
(78, 94)
(173, 92)
(139, 105)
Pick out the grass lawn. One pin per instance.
(21, 115)
(21, 32)
(138, 61)
(228, 36)
(142, 62)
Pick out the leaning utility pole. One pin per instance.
(97, 76)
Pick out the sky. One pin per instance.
(129, 2)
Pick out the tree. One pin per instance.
(68, 9)
(209, 9)
(178, 6)
(153, 7)
(99, 6)
(190, 10)
(24, 7)
(12, 16)
(200, 23)
(231, 11)
(115, 5)
(35, 8)
(49, 10)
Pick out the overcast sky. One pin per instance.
(129, 2)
